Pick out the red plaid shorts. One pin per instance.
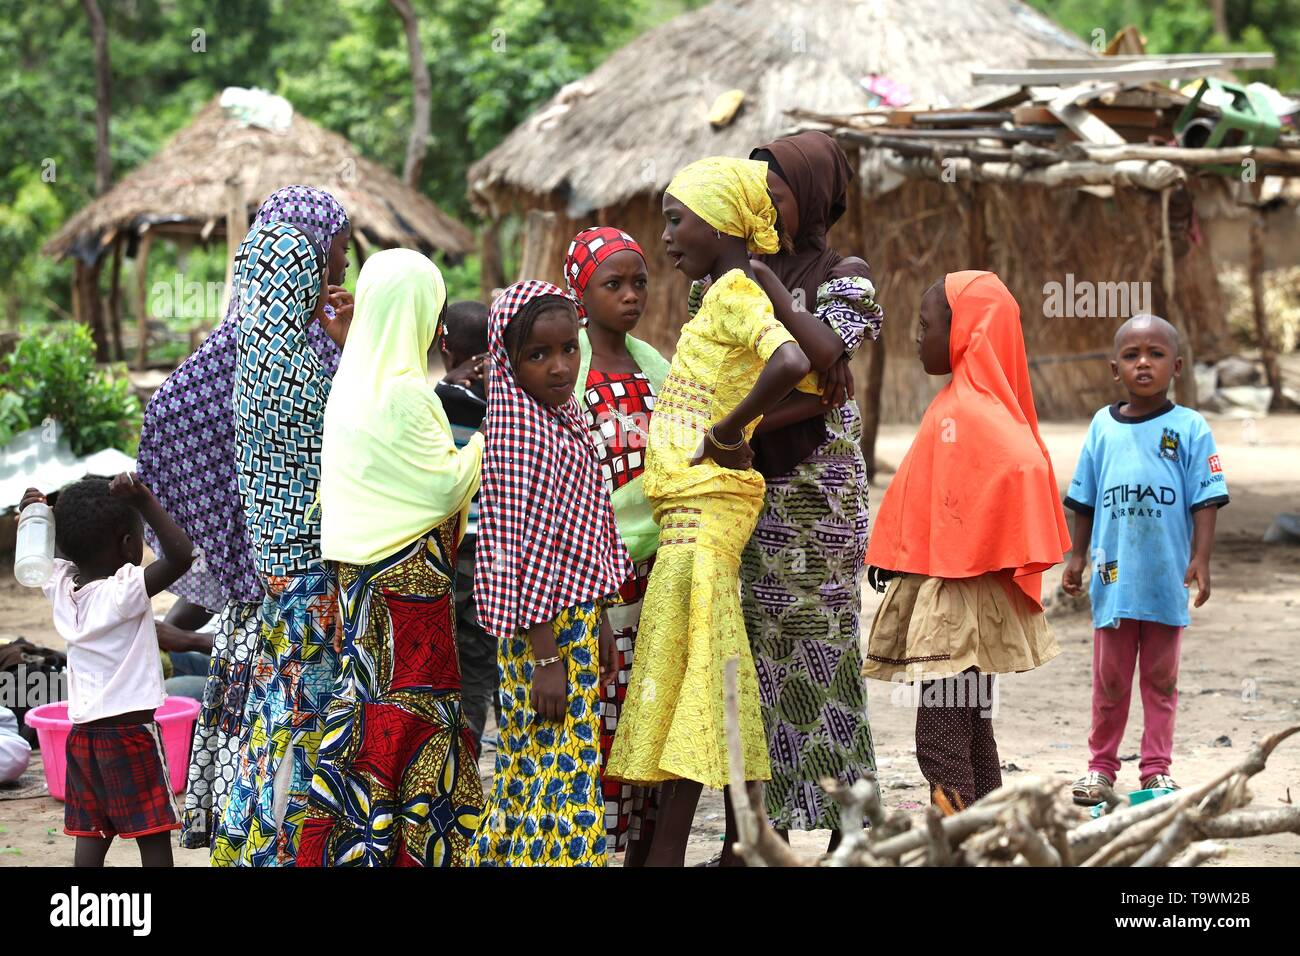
(117, 783)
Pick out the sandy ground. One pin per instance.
(1240, 674)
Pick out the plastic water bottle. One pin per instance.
(34, 552)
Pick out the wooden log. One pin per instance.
(1226, 155)
(1152, 176)
(86, 305)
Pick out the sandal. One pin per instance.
(1159, 781)
(1091, 789)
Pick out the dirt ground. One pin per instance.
(1240, 674)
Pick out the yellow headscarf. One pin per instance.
(731, 196)
(390, 470)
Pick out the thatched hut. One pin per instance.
(206, 183)
(604, 149)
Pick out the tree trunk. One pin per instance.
(421, 96)
(99, 33)
(1219, 10)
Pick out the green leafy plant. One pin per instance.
(52, 374)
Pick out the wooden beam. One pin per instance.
(1132, 72)
(1235, 61)
(142, 300)
(1153, 176)
(1087, 126)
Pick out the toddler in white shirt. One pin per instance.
(117, 781)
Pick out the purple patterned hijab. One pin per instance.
(187, 441)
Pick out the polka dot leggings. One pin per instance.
(954, 738)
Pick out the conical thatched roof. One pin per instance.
(183, 188)
(641, 116)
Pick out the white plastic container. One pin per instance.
(34, 551)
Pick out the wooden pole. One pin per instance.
(1262, 335)
(1185, 384)
(539, 235)
(492, 271)
(977, 246)
(142, 300)
(236, 229)
(115, 301)
(86, 304)
(871, 403)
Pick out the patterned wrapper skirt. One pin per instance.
(801, 583)
(214, 754)
(284, 719)
(545, 808)
(396, 781)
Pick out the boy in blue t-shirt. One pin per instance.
(1145, 495)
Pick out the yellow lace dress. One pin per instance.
(673, 724)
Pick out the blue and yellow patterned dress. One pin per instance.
(546, 808)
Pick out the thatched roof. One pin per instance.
(183, 188)
(641, 116)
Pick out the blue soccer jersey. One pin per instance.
(1141, 479)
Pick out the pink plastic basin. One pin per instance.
(176, 718)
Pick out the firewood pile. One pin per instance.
(1030, 822)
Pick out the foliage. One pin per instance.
(1187, 26)
(52, 373)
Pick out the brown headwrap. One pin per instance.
(818, 174)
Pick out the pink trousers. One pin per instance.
(1154, 649)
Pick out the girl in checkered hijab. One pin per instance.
(549, 561)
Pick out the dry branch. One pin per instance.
(1029, 822)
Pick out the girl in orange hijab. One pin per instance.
(969, 524)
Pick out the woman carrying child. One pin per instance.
(279, 400)
(969, 524)
(396, 782)
(735, 361)
(549, 561)
(802, 570)
(187, 454)
(618, 379)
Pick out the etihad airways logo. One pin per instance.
(1138, 500)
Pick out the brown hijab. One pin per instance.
(818, 174)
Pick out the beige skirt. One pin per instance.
(930, 628)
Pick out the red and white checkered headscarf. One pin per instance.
(588, 250)
(546, 533)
